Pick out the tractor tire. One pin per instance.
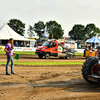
(47, 55)
(40, 56)
(88, 68)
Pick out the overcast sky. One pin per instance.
(65, 12)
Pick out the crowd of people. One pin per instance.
(39, 42)
(22, 44)
(86, 46)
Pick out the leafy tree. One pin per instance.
(17, 26)
(80, 32)
(39, 28)
(77, 32)
(90, 31)
(55, 29)
(30, 31)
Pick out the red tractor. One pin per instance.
(53, 48)
(91, 68)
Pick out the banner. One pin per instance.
(80, 50)
(20, 48)
(24, 49)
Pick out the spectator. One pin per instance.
(9, 52)
(28, 45)
(39, 42)
(79, 46)
(16, 44)
(21, 44)
(35, 44)
(24, 44)
(90, 47)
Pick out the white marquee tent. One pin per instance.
(6, 33)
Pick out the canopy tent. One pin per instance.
(94, 40)
(6, 33)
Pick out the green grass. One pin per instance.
(20, 52)
(2, 52)
(79, 54)
(24, 53)
(33, 53)
(45, 63)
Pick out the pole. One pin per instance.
(52, 36)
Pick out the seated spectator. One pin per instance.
(28, 45)
(16, 44)
(21, 44)
(24, 44)
(79, 46)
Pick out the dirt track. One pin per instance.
(35, 58)
(46, 83)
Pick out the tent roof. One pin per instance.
(6, 33)
(95, 39)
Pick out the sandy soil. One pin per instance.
(35, 58)
(46, 83)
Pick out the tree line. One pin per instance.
(78, 31)
(52, 28)
(81, 32)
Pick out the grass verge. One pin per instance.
(79, 54)
(45, 63)
(33, 53)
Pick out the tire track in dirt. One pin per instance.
(34, 58)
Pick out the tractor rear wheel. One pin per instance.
(90, 67)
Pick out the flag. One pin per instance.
(44, 32)
(16, 57)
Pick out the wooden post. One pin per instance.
(52, 36)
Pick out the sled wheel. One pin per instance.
(68, 56)
(74, 56)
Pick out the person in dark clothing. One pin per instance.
(39, 42)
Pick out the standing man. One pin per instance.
(9, 52)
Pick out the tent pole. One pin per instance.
(0, 42)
